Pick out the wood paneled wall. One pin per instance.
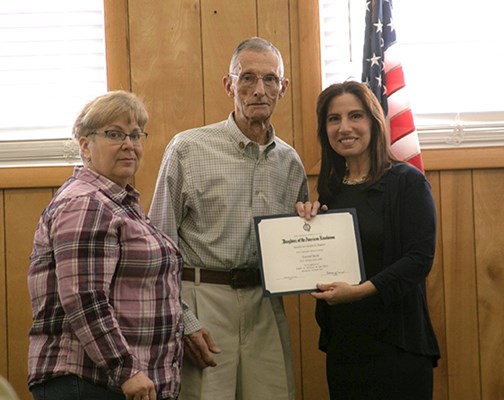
(174, 53)
(464, 289)
(178, 52)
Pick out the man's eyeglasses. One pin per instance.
(249, 80)
(115, 136)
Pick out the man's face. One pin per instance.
(255, 98)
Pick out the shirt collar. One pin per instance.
(128, 194)
(243, 141)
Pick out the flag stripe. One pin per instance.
(398, 102)
(392, 59)
(415, 160)
(407, 147)
(395, 80)
(401, 125)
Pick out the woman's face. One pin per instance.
(117, 161)
(348, 127)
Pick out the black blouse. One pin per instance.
(396, 218)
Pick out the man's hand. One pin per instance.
(198, 347)
(139, 387)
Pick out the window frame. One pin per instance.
(46, 144)
(341, 50)
(118, 77)
(311, 85)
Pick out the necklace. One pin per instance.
(356, 181)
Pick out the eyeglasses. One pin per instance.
(249, 80)
(116, 137)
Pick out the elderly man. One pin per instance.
(212, 182)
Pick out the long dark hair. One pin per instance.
(333, 166)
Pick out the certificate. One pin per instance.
(296, 254)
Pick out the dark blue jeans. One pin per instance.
(71, 387)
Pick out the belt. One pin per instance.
(235, 277)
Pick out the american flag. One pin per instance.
(383, 73)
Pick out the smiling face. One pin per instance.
(255, 103)
(348, 128)
(116, 161)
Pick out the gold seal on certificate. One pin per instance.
(296, 254)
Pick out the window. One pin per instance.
(52, 62)
(451, 55)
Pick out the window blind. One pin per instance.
(52, 61)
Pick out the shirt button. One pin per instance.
(242, 145)
(257, 192)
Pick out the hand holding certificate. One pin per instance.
(296, 254)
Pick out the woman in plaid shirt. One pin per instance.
(104, 282)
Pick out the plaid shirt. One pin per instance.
(105, 289)
(213, 180)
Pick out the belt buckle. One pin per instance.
(241, 277)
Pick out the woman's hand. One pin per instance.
(308, 210)
(341, 292)
(139, 387)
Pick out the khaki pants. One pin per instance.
(256, 360)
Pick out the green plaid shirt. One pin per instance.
(213, 180)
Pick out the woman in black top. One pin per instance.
(377, 335)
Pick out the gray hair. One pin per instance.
(255, 44)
